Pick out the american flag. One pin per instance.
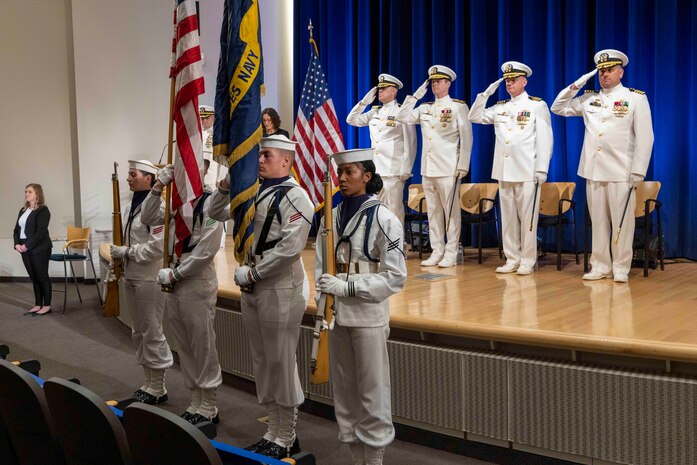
(187, 69)
(316, 130)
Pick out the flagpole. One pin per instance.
(166, 257)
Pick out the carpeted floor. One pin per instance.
(82, 344)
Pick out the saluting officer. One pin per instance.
(191, 306)
(445, 159)
(394, 143)
(142, 256)
(370, 268)
(521, 159)
(273, 310)
(616, 152)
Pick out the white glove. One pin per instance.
(404, 176)
(332, 285)
(635, 179)
(540, 177)
(165, 276)
(580, 82)
(118, 251)
(462, 173)
(421, 91)
(166, 174)
(243, 277)
(370, 96)
(224, 184)
(492, 88)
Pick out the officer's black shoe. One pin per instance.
(279, 452)
(187, 415)
(197, 418)
(259, 445)
(146, 398)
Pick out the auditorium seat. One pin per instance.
(88, 430)
(557, 208)
(158, 437)
(478, 207)
(27, 418)
(7, 452)
(647, 245)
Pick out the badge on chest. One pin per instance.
(523, 118)
(446, 116)
(620, 108)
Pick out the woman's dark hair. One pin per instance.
(275, 119)
(375, 184)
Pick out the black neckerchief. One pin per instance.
(270, 182)
(138, 198)
(349, 207)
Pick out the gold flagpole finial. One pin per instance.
(309, 28)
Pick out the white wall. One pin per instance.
(35, 123)
(121, 98)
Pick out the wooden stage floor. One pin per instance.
(650, 317)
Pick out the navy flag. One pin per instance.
(237, 129)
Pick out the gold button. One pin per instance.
(605, 105)
(600, 135)
(507, 142)
(433, 127)
(509, 129)
(598, 149)
(602, 120)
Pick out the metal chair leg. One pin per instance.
(559, 242)
(65, 285)
(72, 269)
(573, 230)
(660, 237)
(479, 239)
(646, 238)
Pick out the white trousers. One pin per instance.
(360, 370)
(191, 311)
(443, 205)
(606, 204)
(392, 195)
(272, 320)
(519, 242)
(146, 306)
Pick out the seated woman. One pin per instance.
(272, 123)
(370, 268)
(33, 242)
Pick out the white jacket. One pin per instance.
(446, 132)
(524, 137)
(619, 133)
(145, 245)
(370, 305)
(394, 142)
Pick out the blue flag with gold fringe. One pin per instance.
(237, 128)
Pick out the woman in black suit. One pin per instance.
(272, 123)
(33, 242)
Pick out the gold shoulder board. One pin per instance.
(501, 102)
(591, 91)
(537, 99)
(637, 91)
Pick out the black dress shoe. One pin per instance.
(279, 452)
(147, 398)
(197, 418)
(259, 445)
(187, 415)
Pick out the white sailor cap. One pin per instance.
(441, 72)
(145, 166)
(206, 110)
(277, 142)
(608, 58)
(512, 69)
(387, 80)
(353, 156)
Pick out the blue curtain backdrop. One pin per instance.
(359, 39)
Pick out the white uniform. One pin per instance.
(524, 143)
(447, 146)
(191, 307)
(216, 171)
(618, 142)
(358, 343)
(273, 311)
(395, 150)
(143, 295)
